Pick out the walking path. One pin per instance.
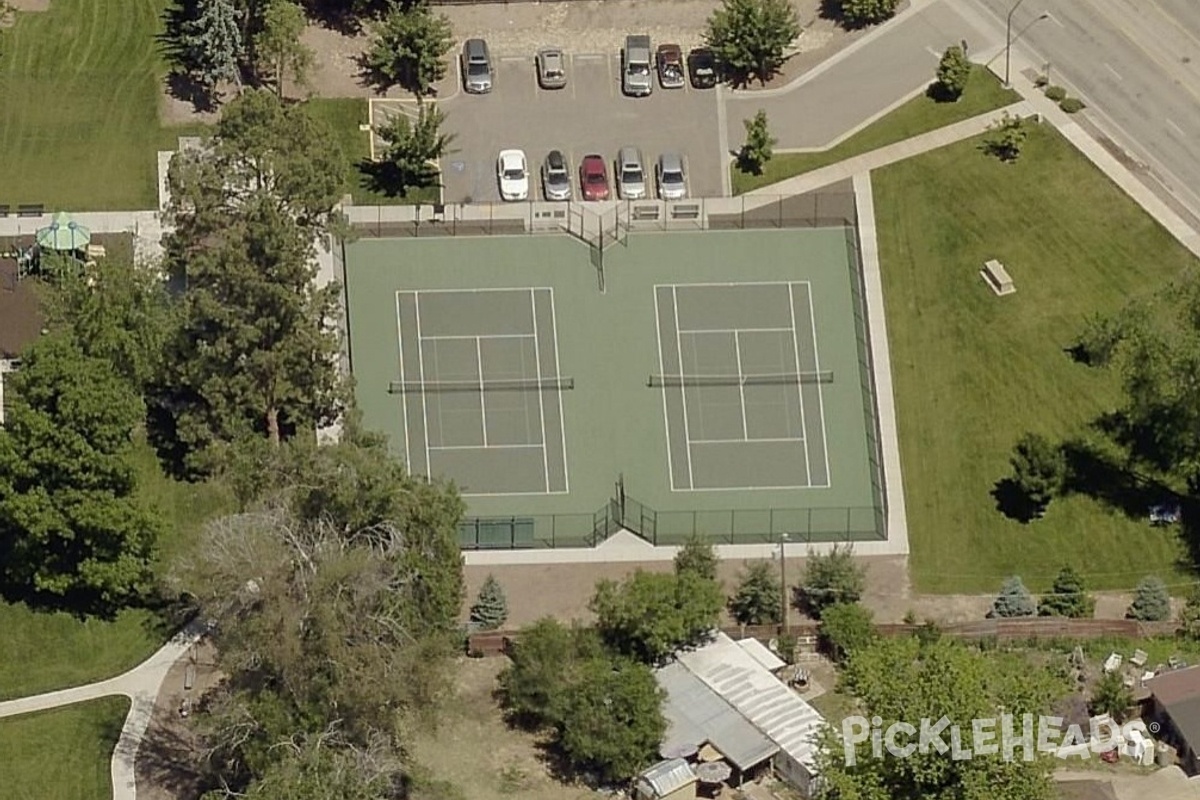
(140, 684)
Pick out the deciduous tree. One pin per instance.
(832, 578)
(751, 37)
(846, 628)
(411, 150)
(758, 599)
(1006, 137)
(1189, 615)
(279, 45)
(72, 529)
(1068, 597)
(953, 72)
(757, 149)
(545, 659)
(650, 615)
(1111, 696)
(1014, 600)
(697, 557)
(409, 47)
(860, 13)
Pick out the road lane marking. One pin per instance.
(1053, 19)
(1115, 74)
(1175, 127)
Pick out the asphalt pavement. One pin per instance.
(1136, 63)
(864, 81)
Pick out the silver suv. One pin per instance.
(672, 182)
(631, 175)
(476, 67)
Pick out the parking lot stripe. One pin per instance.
(611, 80)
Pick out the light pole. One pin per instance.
(1008, 42)
(783, 539)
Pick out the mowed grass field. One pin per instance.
(973, 371)
(63, 754)
(919, 115)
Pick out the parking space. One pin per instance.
(590, 115)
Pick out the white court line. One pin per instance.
(752, 488)
(562, 420)
(482, 393)
(403, 399)
(478, 336)
(506, 494)
(768, 439)
(481, 290)
(737, 351)
(421, 365)
(666, 418)
(687, 433)
(812, 318)
(490, 447)
(736, 330)
(733, 284)
(537, 357)
(799, 389)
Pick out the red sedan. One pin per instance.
(593, 178)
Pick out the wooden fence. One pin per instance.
(495, 643)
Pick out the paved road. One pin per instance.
(865, 80)
(1137, 65)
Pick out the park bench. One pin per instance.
(31, 210)
(997, 277)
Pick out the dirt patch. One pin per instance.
(30, 5)
(473, 748)
(168, 759)
(563, 590)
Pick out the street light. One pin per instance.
(1008, 42)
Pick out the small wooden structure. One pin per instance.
(997, 278)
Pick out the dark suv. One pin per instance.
(702, 68)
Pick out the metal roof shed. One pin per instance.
(672, 778)
(696, 714)
(760, 653)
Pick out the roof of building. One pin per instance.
(666, 777)
(696, 714)
(1176, 685)
(758, 696)
(759, 652)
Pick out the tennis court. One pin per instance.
(714, 387)
(481, 389)
(742, 386)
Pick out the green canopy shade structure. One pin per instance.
(64, 233)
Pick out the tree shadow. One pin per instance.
(369, 76)
(348, 16)
(938, 93)
(181, 86)
(384, 177)
(1014, 503)
(170, 757)
(1100, 475)
(832, 10)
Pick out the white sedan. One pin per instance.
(513, 173)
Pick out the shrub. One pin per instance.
(1071, 105)
(1041, 81)
(1055, 93)
(1014, 600)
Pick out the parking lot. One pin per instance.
(590, 115)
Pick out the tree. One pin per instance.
(325, 767)
(860, 13)
(1039, 470)
(751, 37)
(1067, 598)
(901, 680)
(953, 72)
(544, 661)
(846, 628)
(1151, 600)
(651, 615)
(278, 43)
(1014, 600)
(411, 150)
(1111, 696)
(758, 600)
(409, 47)
(255, 351)
(1006, 137)
(832, 578)
(73, 531)
(756, 151)
(612, 721)
(697, 557)
(211, 45)
(490, 609)
(1189, 615)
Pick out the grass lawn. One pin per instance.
(344, 115)
(920, 115)
(79, 119)
(64, 754)
(973, 372)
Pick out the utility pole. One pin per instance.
(783, 538)
(1008, 43)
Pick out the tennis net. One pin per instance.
(515, 384)
(821, 376)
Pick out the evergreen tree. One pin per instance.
(411, 150)
(1067, 597)
(1039, 469)
(1014, 600)
(758, 598)
(1151, 600)
(490, 609)
(953, 72)
(757, 149)
(211, 44)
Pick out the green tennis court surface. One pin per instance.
(717, 385)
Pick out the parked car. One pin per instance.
(551, 68)
(636, 80)
(556, 176)
(631, 175)
(477, 67)
(513, 174)
(672, 182)
(593, 178)
(670, 66)
(702, 66)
